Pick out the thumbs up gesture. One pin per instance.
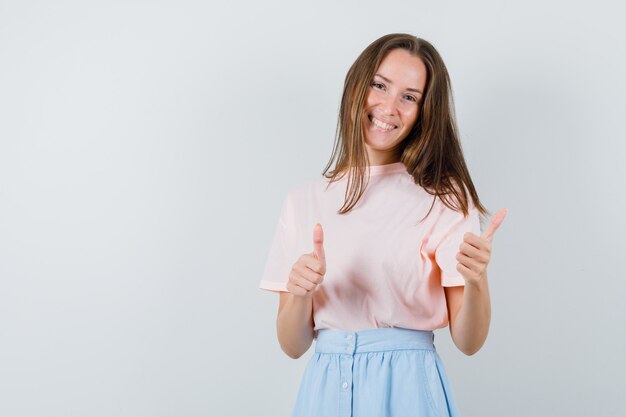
(308, 271)
(475, 251)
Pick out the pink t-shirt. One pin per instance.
(383, 267)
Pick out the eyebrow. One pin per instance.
(415, 90)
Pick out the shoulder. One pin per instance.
(301, 195)
(308, 188)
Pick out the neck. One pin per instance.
(383, 159)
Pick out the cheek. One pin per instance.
(410, 117)
(370, 100)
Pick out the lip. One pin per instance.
(381, 119)
(369, 117)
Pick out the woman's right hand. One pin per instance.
(308, 271)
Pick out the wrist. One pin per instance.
(479, 284)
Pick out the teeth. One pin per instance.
(382, 125)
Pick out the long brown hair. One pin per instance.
(431, 151)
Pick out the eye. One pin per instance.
(411, 98)
(377, 85)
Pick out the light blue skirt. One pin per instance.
(385, 372)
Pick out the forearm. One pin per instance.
(294, 325)
(471, 326)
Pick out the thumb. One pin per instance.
(495, 222)
(318, 243)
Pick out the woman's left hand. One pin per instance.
(475, 251)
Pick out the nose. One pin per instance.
(388, 105)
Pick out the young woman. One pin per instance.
(400, 253)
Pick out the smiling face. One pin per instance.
(392, 105)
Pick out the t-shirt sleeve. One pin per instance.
(282, 253)
(445, 254)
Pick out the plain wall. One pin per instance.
(145, 149)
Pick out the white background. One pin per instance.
(146, 147)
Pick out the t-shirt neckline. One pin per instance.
(387, 168)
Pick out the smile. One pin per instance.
(380, 124)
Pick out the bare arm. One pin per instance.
(294, 324)
(469, 307)
(469, 312)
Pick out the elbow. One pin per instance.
(470, 349)
(292, 347)
(469, 344)
(292, 353)
(470, 352)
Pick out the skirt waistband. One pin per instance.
(373, 340)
